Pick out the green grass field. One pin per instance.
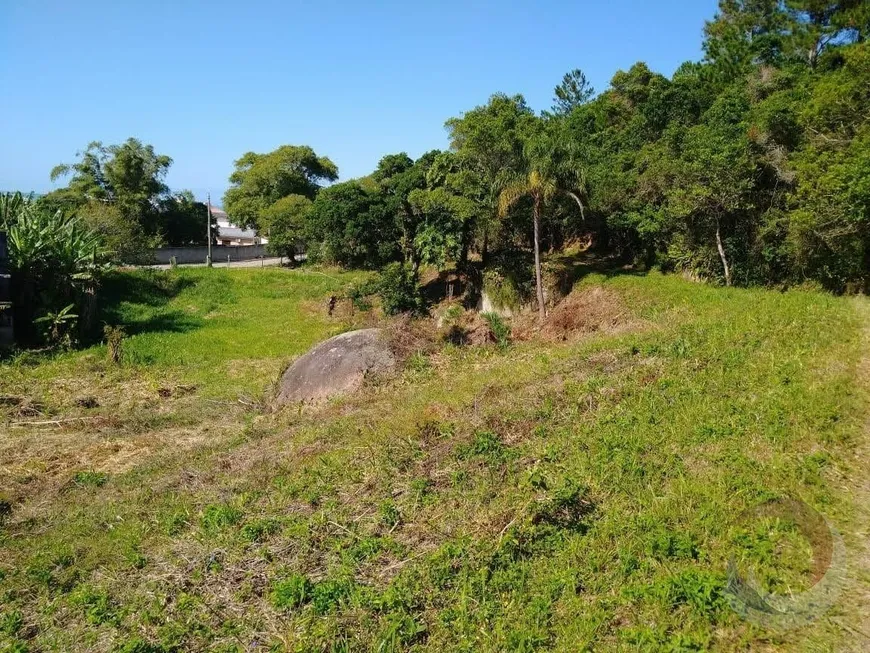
(544, 496)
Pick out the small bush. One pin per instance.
(399, 290)
(500, 330)
(360, 293)
(59, 326)
(509, 281)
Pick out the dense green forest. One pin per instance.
(750, 167)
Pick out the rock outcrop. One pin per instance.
(336, 366)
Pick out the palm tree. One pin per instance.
(548, 171)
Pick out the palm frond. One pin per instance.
(510, 194)
(577, 199)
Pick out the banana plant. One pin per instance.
(58, 324)
(55, 259)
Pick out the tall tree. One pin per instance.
(829, 230)
(547, 171)
(184, 221)
(712, 191)
(284, 222)
(745, 33)
(574, 90)
(488, 141)
(398, 176)
(466, 196)
(818, 24)
(260, 180)
(350, 225)
(129, 176)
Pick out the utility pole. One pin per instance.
(208, 228)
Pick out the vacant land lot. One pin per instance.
(563, 495)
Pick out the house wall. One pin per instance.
(219, 253)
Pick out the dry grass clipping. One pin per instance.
(584, 311)
(407, 336)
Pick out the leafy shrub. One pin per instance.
(54, 259)
(509, 281)
(359, 294)
(59, 326)
(399, 290)
(499, 328)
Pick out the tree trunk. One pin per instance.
(542, 309)
(722, 256)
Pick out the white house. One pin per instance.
(230, 234)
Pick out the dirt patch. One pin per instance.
(584, 311)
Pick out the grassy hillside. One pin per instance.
(547, 496)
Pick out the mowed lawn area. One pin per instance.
(548, 495)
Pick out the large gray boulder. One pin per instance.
(336, 366)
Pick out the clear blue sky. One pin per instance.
(205, 82)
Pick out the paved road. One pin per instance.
(266, 262)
